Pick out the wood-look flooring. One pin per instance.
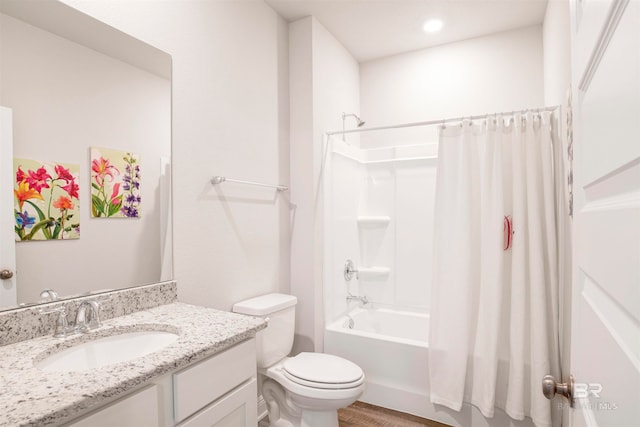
(362, 414)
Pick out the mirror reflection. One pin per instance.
(90, 112)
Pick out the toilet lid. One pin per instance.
(321, 370)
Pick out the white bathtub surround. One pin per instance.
(379, 214)
(35, 397)
(502, 305)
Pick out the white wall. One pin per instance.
(230, 117)
(324, 82)
(67, 98)
(556, 39)
(499, 72)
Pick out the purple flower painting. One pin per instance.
(115, 184)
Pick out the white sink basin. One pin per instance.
(107, 351)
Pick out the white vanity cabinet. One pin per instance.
(219, 391)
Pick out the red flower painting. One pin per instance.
(46, 201)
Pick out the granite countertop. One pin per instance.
(31, 396)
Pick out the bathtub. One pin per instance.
(391, 347)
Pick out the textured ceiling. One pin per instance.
(372, 29)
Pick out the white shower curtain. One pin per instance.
(494, 314)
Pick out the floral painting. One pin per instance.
(115, 184)
(46, 200)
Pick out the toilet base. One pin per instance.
(290, 410)
(308, 419)
(317, 419)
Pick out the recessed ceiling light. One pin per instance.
(433, 25)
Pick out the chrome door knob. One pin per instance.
(6, 274)
(550, 387)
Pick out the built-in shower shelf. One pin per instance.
(373, 221)
(372, 273)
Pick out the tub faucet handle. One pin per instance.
(350, 270)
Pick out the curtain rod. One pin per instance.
(437, 122)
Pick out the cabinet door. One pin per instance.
(139, 409)
(197, 386)
(236, 409)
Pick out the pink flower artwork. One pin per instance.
(115, 184)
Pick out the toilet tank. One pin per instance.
(274, 342)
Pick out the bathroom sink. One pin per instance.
(106, 351)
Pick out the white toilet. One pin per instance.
(302, 391)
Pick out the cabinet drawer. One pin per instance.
(197, 386)
(138, 409)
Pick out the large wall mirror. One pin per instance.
(83, 96)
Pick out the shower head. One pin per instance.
(360, 122)
(218, 180)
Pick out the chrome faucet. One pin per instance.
(49, 294)
(363, 299)
(88, 316)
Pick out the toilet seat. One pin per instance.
(316, 391)
(322, 371)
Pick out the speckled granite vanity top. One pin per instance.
(31, 396)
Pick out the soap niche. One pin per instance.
(372, 230)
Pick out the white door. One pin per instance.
(7, 239)
(605, 330)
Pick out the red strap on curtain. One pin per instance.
(508, 233)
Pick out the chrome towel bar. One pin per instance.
(220, 179)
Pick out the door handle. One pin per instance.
(550, 387)
(6, 274)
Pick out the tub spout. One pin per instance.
(363, 299)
